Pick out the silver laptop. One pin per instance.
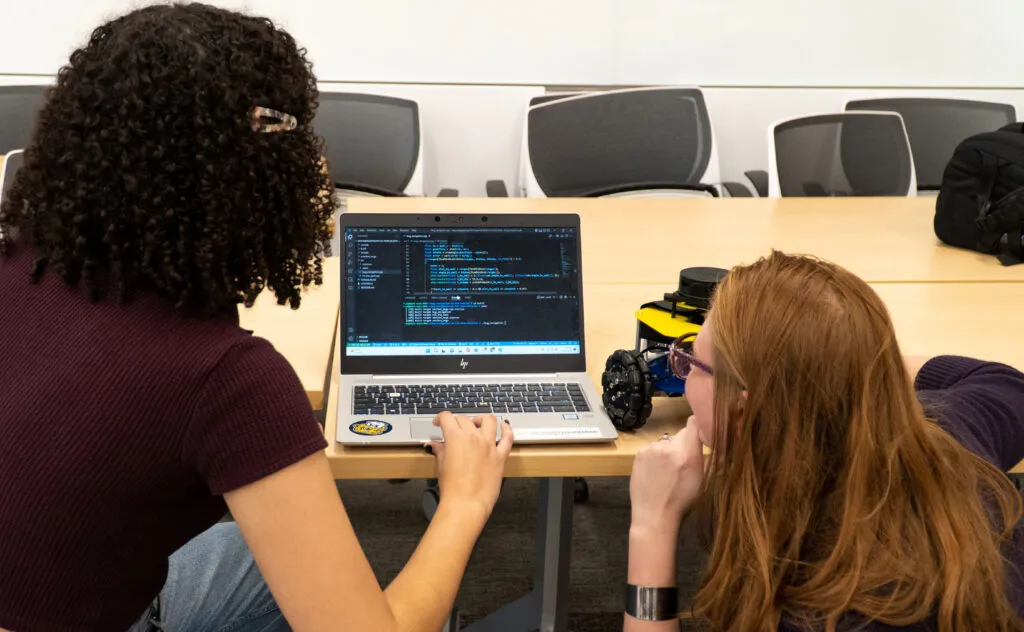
(468, 313)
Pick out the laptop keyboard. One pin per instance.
(469, 399)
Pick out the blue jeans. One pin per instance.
(213, 585)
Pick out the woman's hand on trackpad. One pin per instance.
(470, 466)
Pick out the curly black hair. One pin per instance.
(144, 172)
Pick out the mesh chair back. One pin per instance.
(19, 106)
(936, 126)
(621, 139)
(11, 163)
(843, 154)
(372, 141)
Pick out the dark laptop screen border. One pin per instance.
(455, 365)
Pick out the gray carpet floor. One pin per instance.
(389, 522)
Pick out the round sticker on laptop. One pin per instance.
(370, 428)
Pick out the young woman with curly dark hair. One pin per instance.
(174, 175)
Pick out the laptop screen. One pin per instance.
(467, 292)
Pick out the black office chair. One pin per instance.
(19, 106)
(643, 141)
(649, 142)
(759, 180)
(936, 126)
(852, 153)
(634, 142)
(498, 188)
(374, 145)
(11, 163)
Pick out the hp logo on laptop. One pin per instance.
(463, 363)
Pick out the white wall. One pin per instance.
(951, 43)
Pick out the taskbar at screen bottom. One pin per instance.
(463, 349)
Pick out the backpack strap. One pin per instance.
(1001, 226)
(984, 195)
(1011, 248)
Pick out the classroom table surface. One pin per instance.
(648, 240)
(303, 336)
(930, 319)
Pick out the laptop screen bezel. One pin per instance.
(457, 364)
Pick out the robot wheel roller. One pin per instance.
(628, 388)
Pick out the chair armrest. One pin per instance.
(643, 186)
(368, 189)
(448, 193)
(758, 178)
(736, 189)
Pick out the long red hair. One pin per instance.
(830, 493)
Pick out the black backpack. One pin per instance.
(981, 202)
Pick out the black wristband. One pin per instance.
(645, 603)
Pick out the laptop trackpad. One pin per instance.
(423, 429)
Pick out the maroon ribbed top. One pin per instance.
(120, 428)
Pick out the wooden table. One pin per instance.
(648, 240)
(930, 319)
(304, 336)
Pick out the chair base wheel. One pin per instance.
(429, 500)
(581, 491)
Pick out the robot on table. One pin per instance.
(633, 377)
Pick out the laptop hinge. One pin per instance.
(526, 377)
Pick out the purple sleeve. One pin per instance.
(252, 418)
(979, 403)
